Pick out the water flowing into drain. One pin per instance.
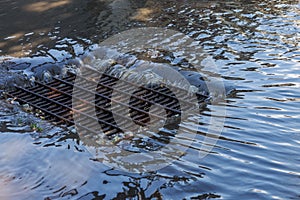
(55, 100)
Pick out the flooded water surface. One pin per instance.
(255, 46)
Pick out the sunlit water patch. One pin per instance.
(256, 48)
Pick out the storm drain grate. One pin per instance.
(55, 100)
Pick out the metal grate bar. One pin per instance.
(55, 100)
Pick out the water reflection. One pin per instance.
(256, 47)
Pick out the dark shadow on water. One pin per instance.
(260, 131)
(30, 25)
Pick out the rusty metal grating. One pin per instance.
(55, 100)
